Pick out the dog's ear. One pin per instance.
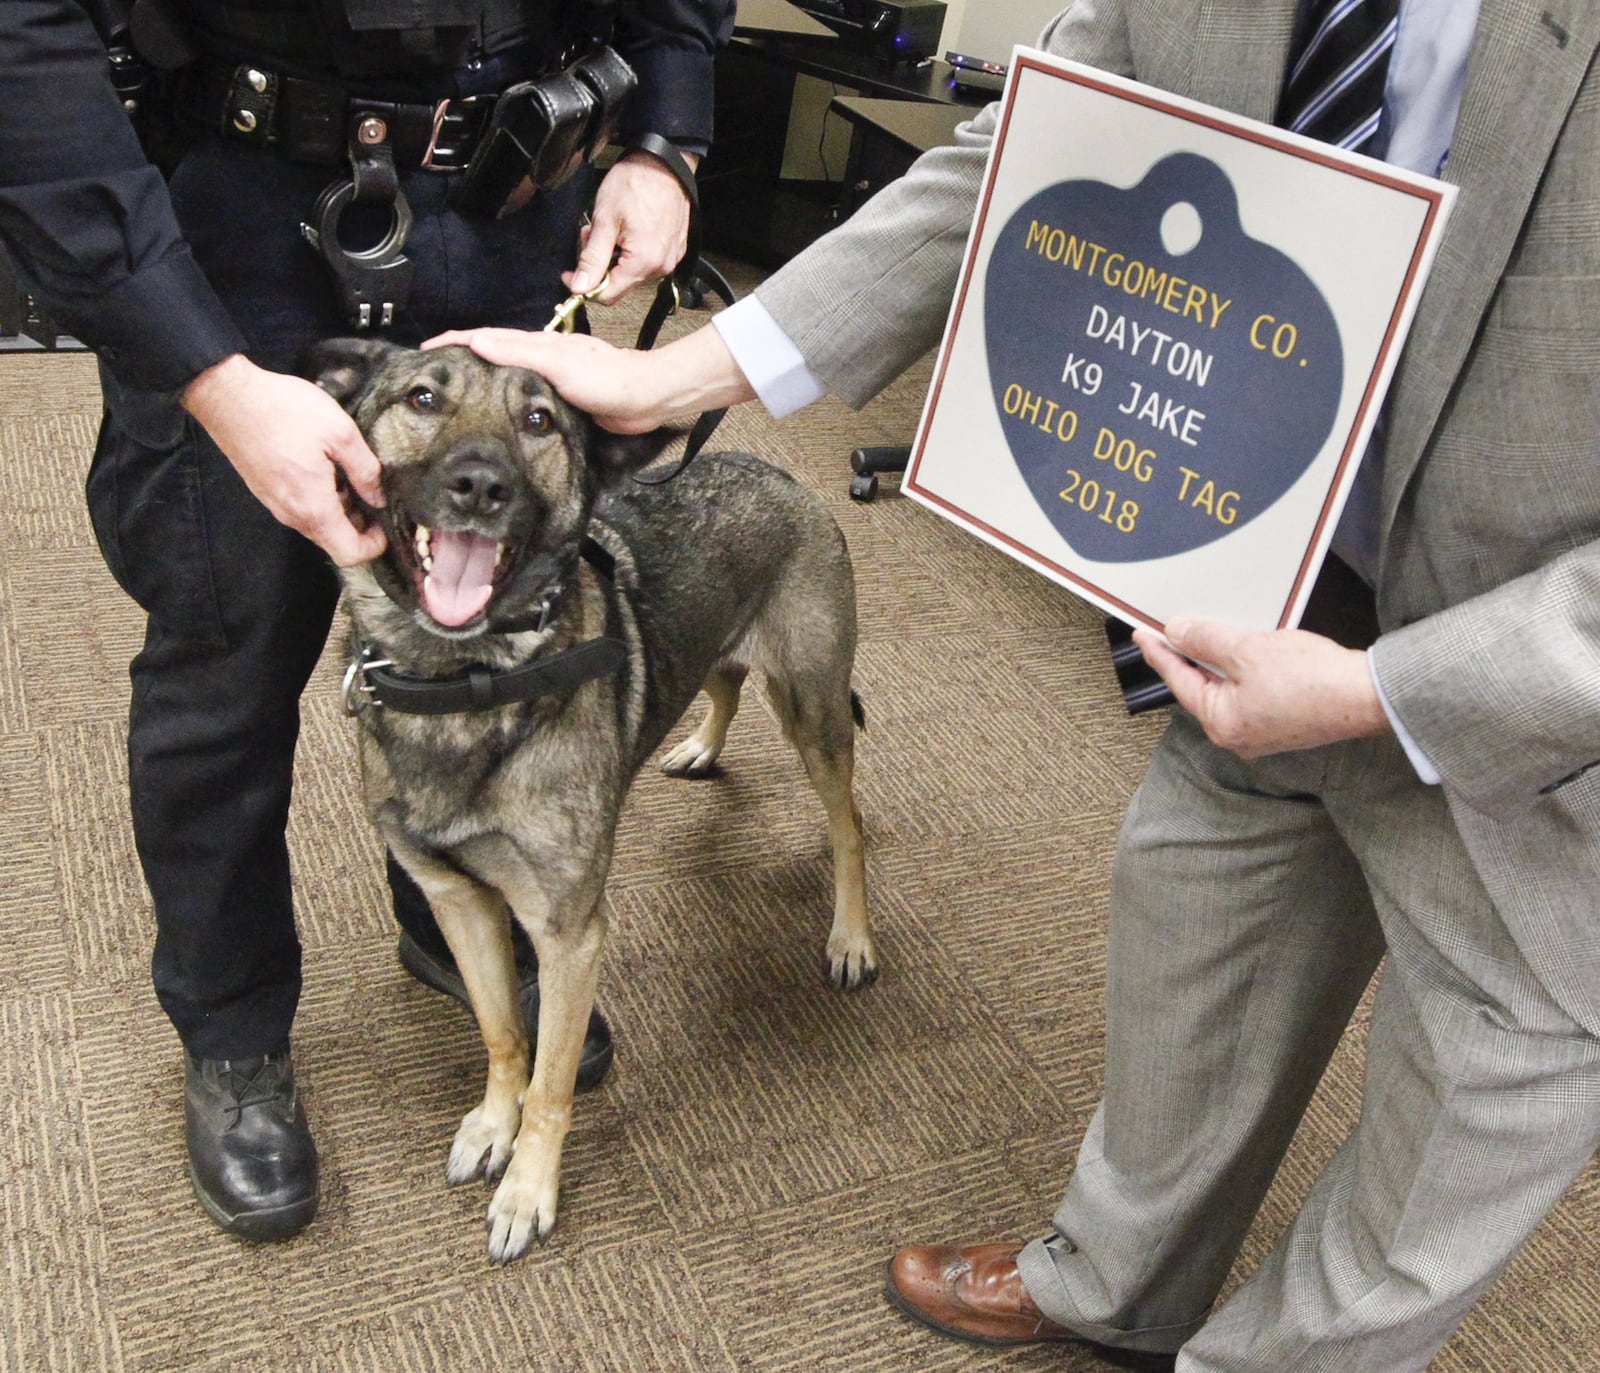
(616, 455)
(344, 366)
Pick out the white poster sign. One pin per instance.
(1168, 347)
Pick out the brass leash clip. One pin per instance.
(565, 318)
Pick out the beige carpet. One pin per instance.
(732, 1192)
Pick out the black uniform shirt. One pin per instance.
(671, 45)
(89, 219)
(87, 216)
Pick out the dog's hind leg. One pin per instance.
(696, 754)
(476, 924)
(820, 725)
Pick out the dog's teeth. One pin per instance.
(427, 562)
(499, 554)
(424, 540)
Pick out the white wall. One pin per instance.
(954, 12)
(988, 28)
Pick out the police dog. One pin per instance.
(553, 620)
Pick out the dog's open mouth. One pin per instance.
(454, 572)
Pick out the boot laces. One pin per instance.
(248, 1082)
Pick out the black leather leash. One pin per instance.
(706, 425)
(371, 680)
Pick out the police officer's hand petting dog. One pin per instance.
(301, 169)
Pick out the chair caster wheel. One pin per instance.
(864, 487)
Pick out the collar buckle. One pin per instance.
(547, 608)
(357, 692)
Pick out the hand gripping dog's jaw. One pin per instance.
(488, 478)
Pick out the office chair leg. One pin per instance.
(868, 463)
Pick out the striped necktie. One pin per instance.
(1335, 86)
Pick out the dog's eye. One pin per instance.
(422, 399)
(536, 419)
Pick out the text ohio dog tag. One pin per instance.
(1111, 317)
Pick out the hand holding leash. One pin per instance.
(640, 227)
(565, 318)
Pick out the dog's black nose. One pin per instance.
(478, 483)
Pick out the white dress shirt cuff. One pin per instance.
(1426, 772)
(768, 358)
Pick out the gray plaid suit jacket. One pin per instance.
(1489, 575)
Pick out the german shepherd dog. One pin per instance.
(553, 620)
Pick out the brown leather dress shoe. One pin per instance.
(975, 1293)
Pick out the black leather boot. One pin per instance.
(251, 1157)
(595, 1061)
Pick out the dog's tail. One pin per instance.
(858, 712)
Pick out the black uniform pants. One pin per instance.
(239, 606)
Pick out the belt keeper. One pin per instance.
(247, 113)
(375, 178)
(480, 687)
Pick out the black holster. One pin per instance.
(543, 130)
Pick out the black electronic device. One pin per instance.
(975, 73)
(894, 30)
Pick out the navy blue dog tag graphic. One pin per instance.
(1162, 378)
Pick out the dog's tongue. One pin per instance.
(459, 585)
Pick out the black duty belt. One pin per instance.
(310, 121)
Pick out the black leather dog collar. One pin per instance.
(369, 680)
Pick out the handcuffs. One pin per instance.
(372, 283)
(373, 280)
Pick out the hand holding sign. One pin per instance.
(1283, 689)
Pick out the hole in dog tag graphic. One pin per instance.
(1161, 377)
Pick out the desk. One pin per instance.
(750, 212)
(887, 137)
(777, 16)
(24, 326)
(832, 59)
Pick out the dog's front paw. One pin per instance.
(692, 758)
(523, 1209)
(851, 963)
(482, 1146)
